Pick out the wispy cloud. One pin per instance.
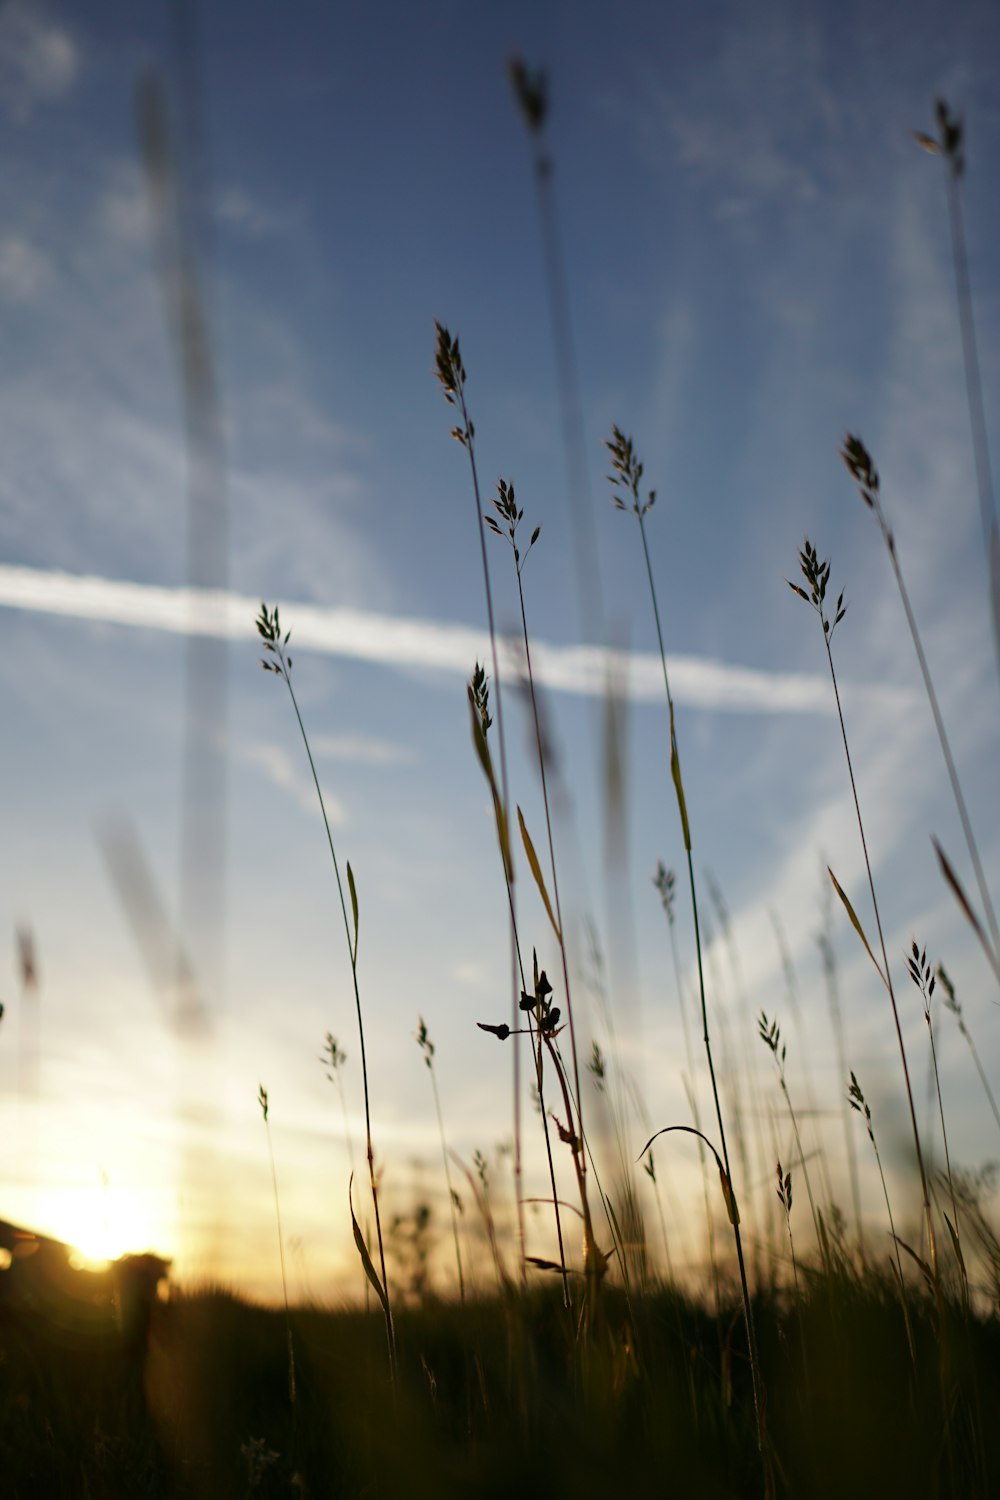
(277, 765)
(24, 269)
(412, 644)
(39, 60)
(362, 749)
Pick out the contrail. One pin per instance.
(414, 644)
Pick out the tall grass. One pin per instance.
(817, 577)
(626, 478)
(279, 661)
(509, 1371)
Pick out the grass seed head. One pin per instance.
(666, 884)
(424, 1042)
(531, 89)
(862, 470)
(627, 473)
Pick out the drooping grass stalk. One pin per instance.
(262, 1101)
(279, 662)
(925, 981)
(479, 705)
(860, 466)
(770, 1035)
(427, 1048)
(451, 376)
(857, 1101)
(628, 474)
(950, 145)
(510, 515)
(817, 576)
(951, 1003)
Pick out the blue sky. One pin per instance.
(757, 261)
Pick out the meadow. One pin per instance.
(811, 1356)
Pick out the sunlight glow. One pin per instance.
(101, 1223)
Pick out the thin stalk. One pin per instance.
(837, 1025)
(770, 1035)
(531, 89)
(675, 761)
(860, 465)
(451, 375)
(270, 631)
(785, 1199)
(262, 1101)
(665, 882)
(479, 703)
(925, 981)
(650, 1170)
(629, 471)
(952, 1004)
(817, 575)
(427, 1048)
(857, 1101)
(950, 146)
(507, 509)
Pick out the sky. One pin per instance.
(756, 261)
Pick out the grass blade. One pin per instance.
(354, 908)
(366, 1259)
(963, 901)
(486, 761)
(856, 924)
(536, 870)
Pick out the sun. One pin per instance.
(100, 1223)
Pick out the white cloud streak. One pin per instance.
(412, 644)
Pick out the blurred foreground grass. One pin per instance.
(498, 1399)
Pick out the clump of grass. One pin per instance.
(279, 661)
(625, 481)
(454, 1202)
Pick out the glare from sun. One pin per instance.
(101, 1223)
